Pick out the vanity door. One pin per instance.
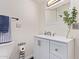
(58, 50)
(55, 56)
(41, 50)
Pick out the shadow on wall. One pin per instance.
(76, 48)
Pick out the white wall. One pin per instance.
(30, 17)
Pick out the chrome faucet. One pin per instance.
(54, 34)
(47, 33)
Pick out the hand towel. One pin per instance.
(4, 23)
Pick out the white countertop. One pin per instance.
(55, 38)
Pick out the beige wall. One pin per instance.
(30, 17)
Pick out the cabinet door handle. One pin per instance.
(39, 43)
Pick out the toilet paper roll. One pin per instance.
(22, 48)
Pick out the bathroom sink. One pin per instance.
(55, 38)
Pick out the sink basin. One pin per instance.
(55, 38)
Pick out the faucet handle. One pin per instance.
(47, 33)
(54, 34)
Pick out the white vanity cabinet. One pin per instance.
(53, 47)
(41, 49)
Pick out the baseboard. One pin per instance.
(32, 58)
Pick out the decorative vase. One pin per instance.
(68, 32)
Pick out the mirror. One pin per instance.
(52, 15)
(53, 22)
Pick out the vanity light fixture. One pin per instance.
(52, 2)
